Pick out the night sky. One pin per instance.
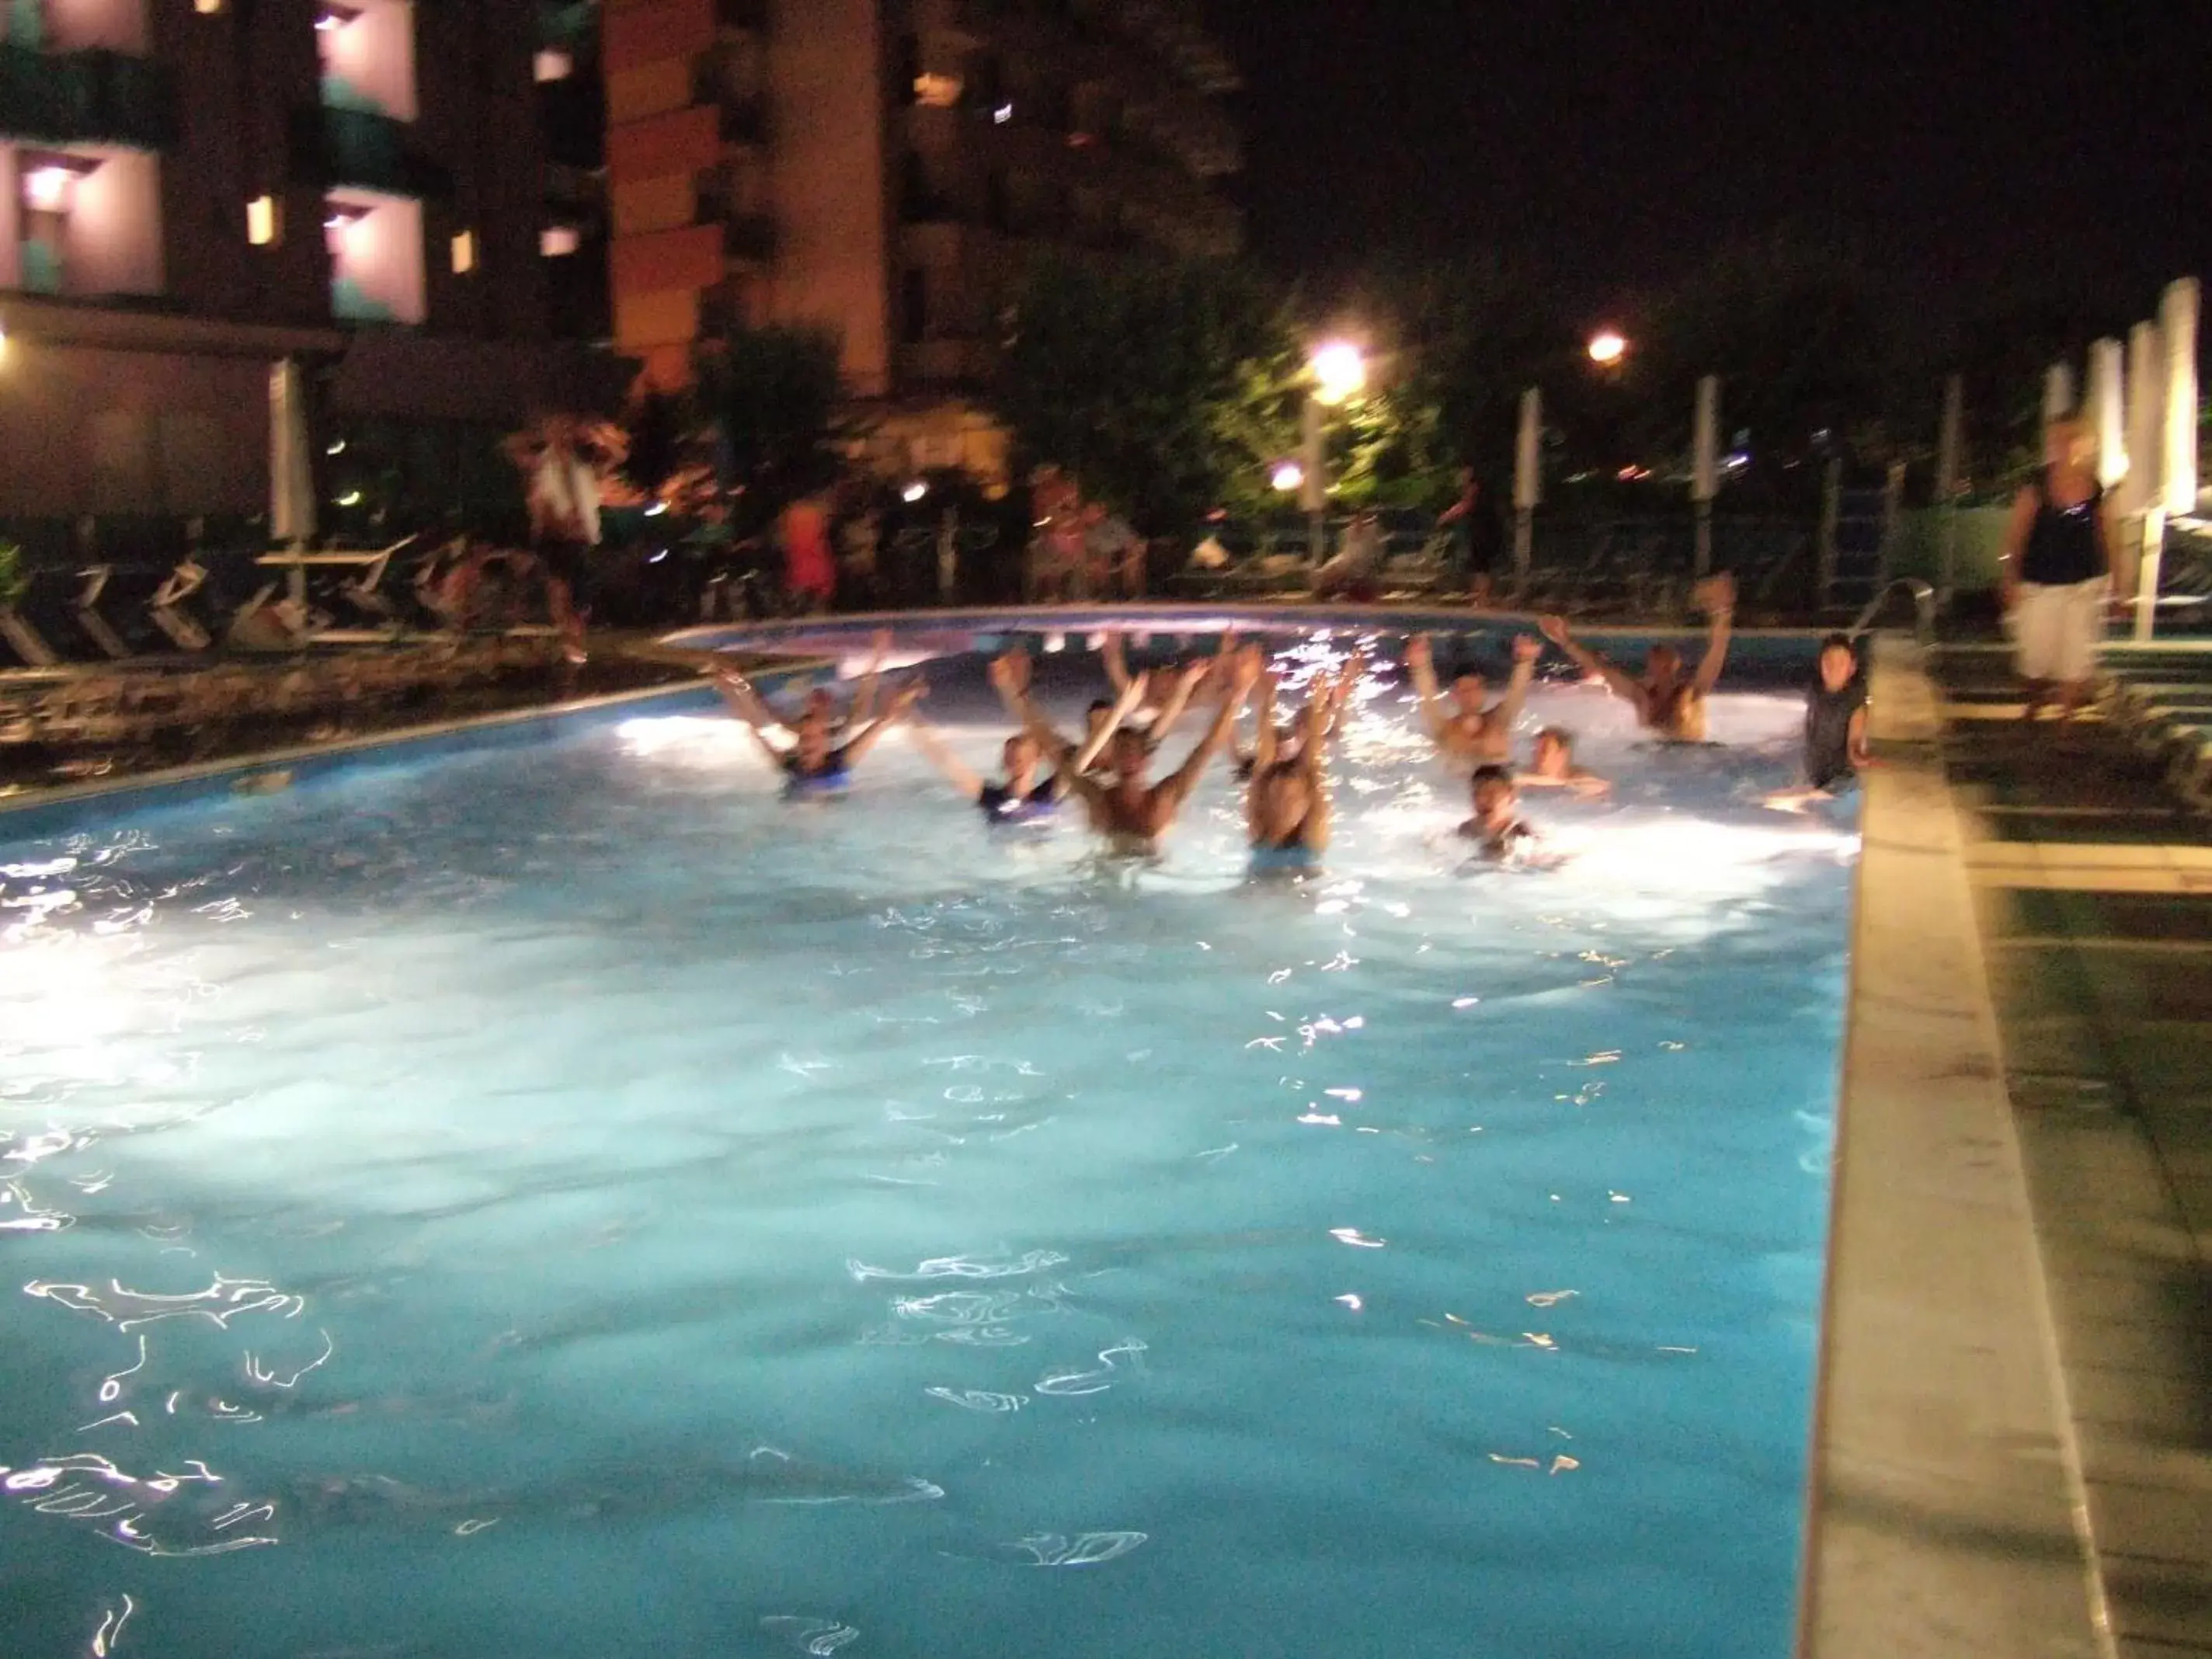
(1976, 148)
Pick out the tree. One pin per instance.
(1164, 389)
(772, 393)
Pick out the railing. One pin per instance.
(367, 151)
(1923, 607)
(86, 97)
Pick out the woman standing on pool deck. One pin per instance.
(2057, 572)
(1286, 804)
(1132, 813)
(1665, 701)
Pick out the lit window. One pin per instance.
(557, 242)
(207, 8)
(464, 252)
(261, 221)
(553, 64)
(1004, 113)
(937, 91)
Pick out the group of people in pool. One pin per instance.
(1109, 768)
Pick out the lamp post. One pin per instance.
(1340, 374)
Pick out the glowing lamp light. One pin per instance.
(47, 189)
(1607, 348)
(337, 447)
(351, 498)
(654, 511)
(1287, 476)
(1339, 371)
(1004, 113)
(914, 492)
(261, 221)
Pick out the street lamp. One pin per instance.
(1607, 348)
(1287, 476)
(1340, 374)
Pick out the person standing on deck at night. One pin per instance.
(559, 459)
(2057, 572)
(1665, 701)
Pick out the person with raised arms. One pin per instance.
(1666, 701)
(1028, 794)
(820, 758)
(1286, 804)
(1467, 728)
(1126, 807)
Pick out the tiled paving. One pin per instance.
(2094, 892)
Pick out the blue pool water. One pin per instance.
(562, 1201)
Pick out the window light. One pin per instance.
(207, 8)
(261, 221)
(464, 252)
(556, 241)
(553, 64)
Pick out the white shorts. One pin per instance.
(2057, 630)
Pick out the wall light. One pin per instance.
(552, 63)
(1607, 348)
(464, 252)
(351, 498)
(47, 189)
(558, 241)
(1004, 113)
(914, 491)
(261, 221)
(207, 8)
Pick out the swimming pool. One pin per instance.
(562, 1200)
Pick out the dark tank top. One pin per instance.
(2063, 547)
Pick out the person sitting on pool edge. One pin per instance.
(1023, 797)
(1286, 804)
(1552, 765)
(1665, 701)
(1130, 812)
(817, 763)
(1497, 824)
(1835, 728)
(1468, 729)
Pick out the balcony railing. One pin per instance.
(86, 97)
(749, 237)
(369, 152)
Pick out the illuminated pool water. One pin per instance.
(562, 1201)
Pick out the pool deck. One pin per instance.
(2093, 886)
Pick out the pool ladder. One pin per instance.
(1923, 606)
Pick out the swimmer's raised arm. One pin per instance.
(1174, 789)
(1264, 746)
(1525, 649)
(1131, 700)
(752, 713)
(901, 704)
(957, 772)
(1184, 682)
(1116, 660)
(1421, 664)
(1623, 684)
(1717, 595)
(864, 701)
(1010, 678)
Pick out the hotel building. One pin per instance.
(402, 195)
(882, 168)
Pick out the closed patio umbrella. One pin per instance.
(291, 478)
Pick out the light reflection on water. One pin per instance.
(457, 1207)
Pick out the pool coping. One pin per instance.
(1945, 1509)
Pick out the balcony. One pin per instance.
(86, 97)
(352, 146)
(748, 238)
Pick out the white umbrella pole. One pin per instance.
(2107, 411)
(2177, 325)
(1946, 485)
(1705, 473)
(2057, 393)
(1528, 483)
(2145, 497)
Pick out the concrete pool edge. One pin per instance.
(1944, 1501)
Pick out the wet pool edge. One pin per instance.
(1944, 1508)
